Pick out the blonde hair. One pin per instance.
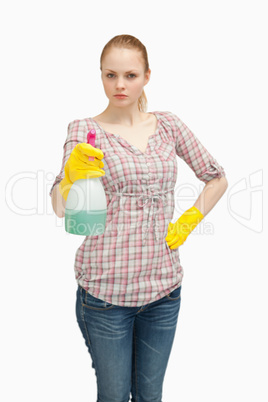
(129, 42)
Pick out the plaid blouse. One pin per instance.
(130, 264)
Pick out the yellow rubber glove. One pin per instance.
(179, 231)
(78, 166)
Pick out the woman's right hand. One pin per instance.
(78, 166)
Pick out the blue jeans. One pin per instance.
(129, 346)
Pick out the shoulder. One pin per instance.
(169, 119)
(81, 125)
(167, 116)
(78, 129)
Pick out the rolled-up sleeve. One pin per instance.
(76, 132)
(193, 152)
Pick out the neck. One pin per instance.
(127, 116)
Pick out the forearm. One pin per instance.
(211, 194)
(58, 202)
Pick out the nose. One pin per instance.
(120, 83)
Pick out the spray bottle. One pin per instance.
(86, 206)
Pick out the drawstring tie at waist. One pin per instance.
(146, 197)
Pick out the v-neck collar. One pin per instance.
(121, 139)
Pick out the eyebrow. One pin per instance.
(115, 71)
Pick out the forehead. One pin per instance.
(121, 60)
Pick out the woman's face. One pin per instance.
(123, 73)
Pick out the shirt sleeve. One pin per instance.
(192, 151)
(76, 133)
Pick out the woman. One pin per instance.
(129, 278)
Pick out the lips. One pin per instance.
(120, 95)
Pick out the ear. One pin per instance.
(147, 76)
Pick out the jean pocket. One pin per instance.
(94, 303)
(175, 294)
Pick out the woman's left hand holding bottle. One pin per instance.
(78, 166)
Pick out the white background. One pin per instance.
(209, 67)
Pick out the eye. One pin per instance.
(130, 75)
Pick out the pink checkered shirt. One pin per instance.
(130, 264)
